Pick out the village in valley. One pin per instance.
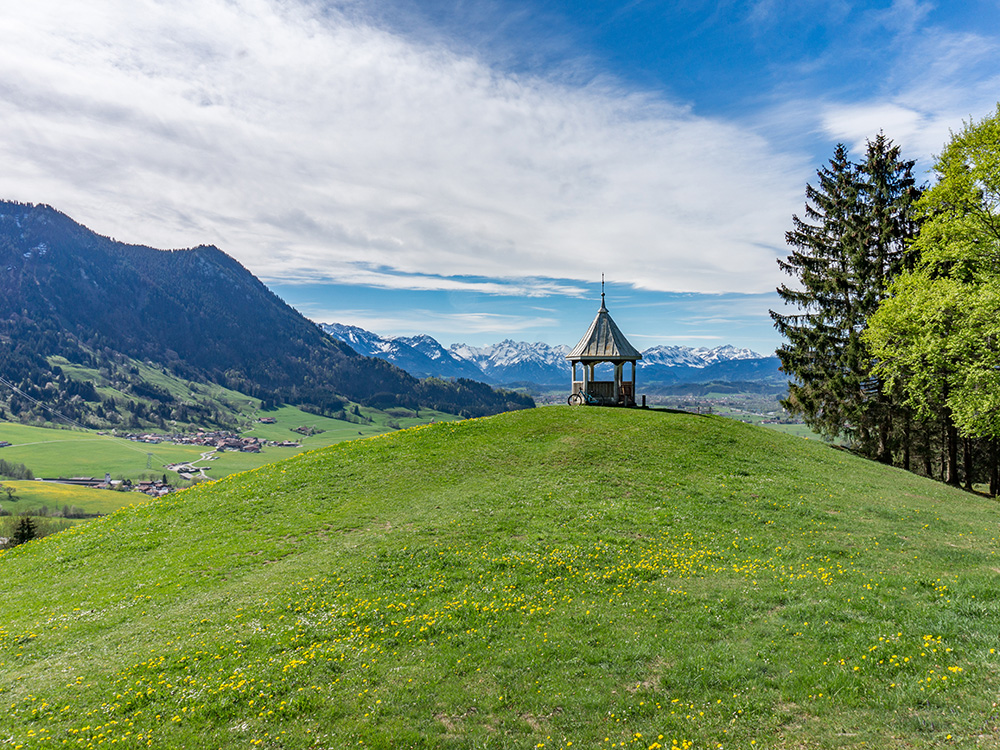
(213, 441)
(219, 440)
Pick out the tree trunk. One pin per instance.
(928, 456)
(951, 446)
(906, 442)
(884, 451)
(995, 467)
(969, 462)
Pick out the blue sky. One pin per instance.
(470, 169)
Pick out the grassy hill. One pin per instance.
(549, 578)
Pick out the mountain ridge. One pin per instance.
(70, 292)
(508, 361)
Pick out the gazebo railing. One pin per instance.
(604, 390)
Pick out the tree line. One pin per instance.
(895, 344)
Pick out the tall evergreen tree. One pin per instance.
(819, 263)
(888, 195)
(24, 532)
(851, 244)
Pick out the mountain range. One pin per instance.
(519, 362)
(98, 304)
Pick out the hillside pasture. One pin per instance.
(550, 578)
(31, 496)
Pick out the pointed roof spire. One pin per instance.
(604, 341)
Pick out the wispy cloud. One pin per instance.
(386, 278)
(937, 79)
(417, 321)
(306, 143)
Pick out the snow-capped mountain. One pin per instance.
(684, 364)
(444, 363)
(421, 356)
(685, 356)
(516, 361)
(363, 342)
(510, 362)
(426, 345)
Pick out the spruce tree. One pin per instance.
(817, 334)
(850, 245)
(888, 193)
(24, 532)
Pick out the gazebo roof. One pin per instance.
(604, 341)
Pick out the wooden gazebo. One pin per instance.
(603, 342)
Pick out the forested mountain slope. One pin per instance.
(72, 293)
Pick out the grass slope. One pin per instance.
(547, 578)
(205, 402)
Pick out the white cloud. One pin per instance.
(418, 321)
(943, 78)
(381, 278)
(309, 144)
(856, 123)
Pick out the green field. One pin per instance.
(550, 578)
(34, 495)
(69, 453)
(47, 502)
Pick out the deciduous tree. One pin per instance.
(938, 336)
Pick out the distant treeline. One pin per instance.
(10, 470)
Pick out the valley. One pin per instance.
(52, 452)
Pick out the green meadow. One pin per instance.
(46, 501)
(551, 578)
(34, 495)
(52, 452)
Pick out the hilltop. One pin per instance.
(604, 578)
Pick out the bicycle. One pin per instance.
(582, 397)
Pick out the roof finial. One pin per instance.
(602, 292)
